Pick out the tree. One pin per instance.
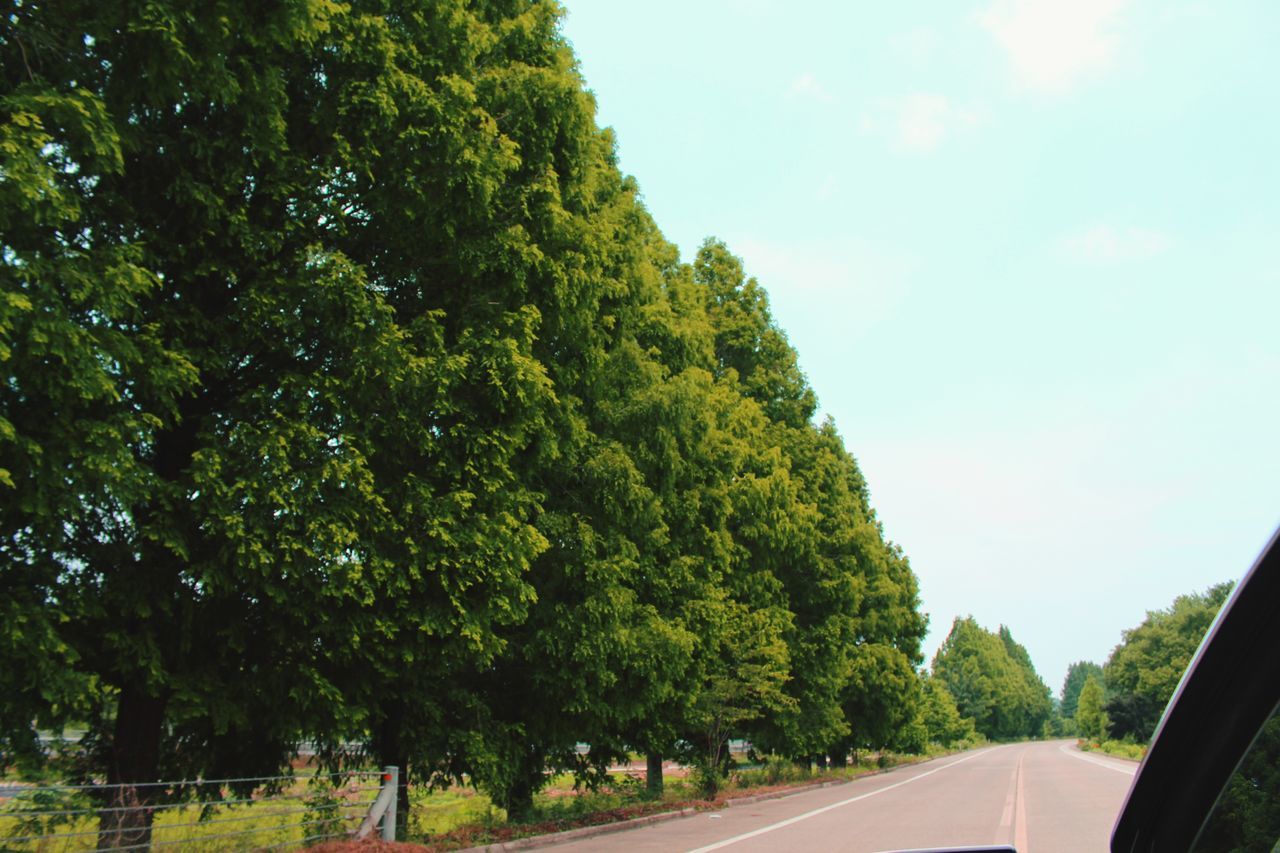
(882, 699)
(1039, 703)
(1144, 669)
(1091, 719)
(1077, 674)
(855, 626)
(988, 684)
(941, 717)
(269, 317)
(747, 341)
(743, 682)
(350, 394)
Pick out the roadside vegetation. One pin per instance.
(992, 680)
(351, 396)
(1115, 708)
(284, 814)
(1119, 748)
(461, 817)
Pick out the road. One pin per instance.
(1041, 797)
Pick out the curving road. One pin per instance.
(1041, 797)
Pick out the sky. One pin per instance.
(1029, 254)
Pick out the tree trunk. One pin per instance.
(134, 759)
(520, 798)
(392, 751)
(653, 774)
(839, 759)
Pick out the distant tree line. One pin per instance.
(992, 679)
(351, 395)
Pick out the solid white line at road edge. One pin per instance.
(1074, 753)
(780, 824)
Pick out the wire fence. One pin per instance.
(258, 813)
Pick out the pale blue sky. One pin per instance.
(1029, 253)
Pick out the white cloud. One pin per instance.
(1052, 44)
(920, 122)
(807, 85)
(1104, 243)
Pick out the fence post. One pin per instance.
(390, 779)
(383, 807)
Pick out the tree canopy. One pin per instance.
(1144, 669)
(1091, 720)
(992, 681)
(1077, 674)
(351, 395)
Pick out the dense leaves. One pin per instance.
(991, 678)
(1077, 674)
(940, 716)
(1090, 718)
(1144, 670)
(350, 395)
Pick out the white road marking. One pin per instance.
(1020, 820)
(1074, 753)
(780, 824)
(1013, 820)
(1004, 832)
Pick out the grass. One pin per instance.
(438, 812)
(442, 820)
(68, 823)
(1118, 748)
(460, 818)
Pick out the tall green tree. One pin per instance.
(1077, 674)
(942, 720)
(1144, 669)
(988, 684)
(855, 627)
(235, 422)
(560, 233)
(1091, 719)
(748, 341)
(351, 394)
(1039, 702)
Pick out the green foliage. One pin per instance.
(245, 402)
(1091, 719)
(743, 682)
(942, 720)
(1119, 748)
(991, 679)
(774, 770)
(45, 811)
(1144, 670)
(351, 395)
(1077, 674)
(1039, 702)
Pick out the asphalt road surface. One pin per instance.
(1041, 797)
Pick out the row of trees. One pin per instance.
(350, 394)
(993, 681)
(1125, 698)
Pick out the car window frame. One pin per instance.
(1227, 694)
